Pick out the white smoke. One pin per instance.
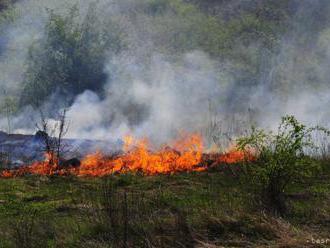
(156, 95)
(165, 98)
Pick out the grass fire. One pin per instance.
(164, 123)
(183, 155)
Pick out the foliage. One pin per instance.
(190, 28)
(73, 53)
(245, 40)
(70, 59)
(282, 160)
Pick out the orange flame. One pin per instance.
(183, 154)
(235, 156)
(186, 155)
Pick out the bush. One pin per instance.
(282, 159)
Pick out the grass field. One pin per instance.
(207, 209)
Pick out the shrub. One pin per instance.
(282, 159)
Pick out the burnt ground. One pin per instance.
(18, 149)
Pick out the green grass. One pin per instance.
(182, 210)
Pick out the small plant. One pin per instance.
(53, 137)
(282, 159)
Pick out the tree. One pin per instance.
(70, 58)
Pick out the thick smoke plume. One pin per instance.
(157, 100)
(156, 94)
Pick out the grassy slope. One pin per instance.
(185, 210)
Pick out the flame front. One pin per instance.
(183, 154)
(186, 155)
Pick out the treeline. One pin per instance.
(71, 56)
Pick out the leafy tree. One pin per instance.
(71, 57)
(281, 160)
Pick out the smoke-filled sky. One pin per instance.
(156, 89)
